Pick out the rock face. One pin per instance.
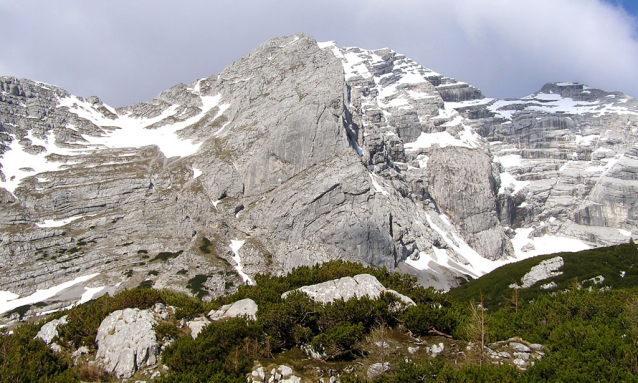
(545, 269)
(359, 286)
(197, 325)
(244, 307)
(462, 183)
(50, 330)
(126, 342)
(305, 152)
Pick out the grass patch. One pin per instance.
(166, 255)
(196, 285)
(579, 267)
(206, 247)
(19, 310)
(148, 284)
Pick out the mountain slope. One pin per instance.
(299, 153)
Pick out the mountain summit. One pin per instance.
(298, 153)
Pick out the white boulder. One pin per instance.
(245, 307)
(126, 341)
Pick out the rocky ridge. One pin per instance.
(298, 153)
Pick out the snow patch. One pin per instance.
(59, 223)
(547, 244)
(89, 294)
(9, 301)
(508, 182)
(509, 160)
(235, 245)
(378, 188)
(196, 173)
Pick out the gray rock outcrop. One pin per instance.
(462, 184)
(242, 308)
(126, 342)
(49, 331)
(346, 288)
(197, 325)
(545, 269)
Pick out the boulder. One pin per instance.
(346, 288)
(126, 342)
(245, 307)
(196, 326)
(377, 369)
(50, 330)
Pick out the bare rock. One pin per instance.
(49, 330)
(359, 286)
(196, 326)
(126, 341)
(244, 307)
(376, 369)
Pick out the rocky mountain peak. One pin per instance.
(298, 153)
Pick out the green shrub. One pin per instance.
(338, 340)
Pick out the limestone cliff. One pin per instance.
(295, 154)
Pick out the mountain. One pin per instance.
(299, 153)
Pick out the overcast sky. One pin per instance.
(129, 51)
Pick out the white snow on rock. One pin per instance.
(545, 269)
(546, 244)
(554, 103)
(125, 131)
(235, 245)
(61, 222)
(509, 160)
(9, 301)
(378, 188)
(89, 293)
(511, 184)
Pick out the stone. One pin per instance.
(49, 330)
(436, 349)
(126, 342)
(463, 187)
(196, 326)
(545, 269)
(536, 346)
(80, 351)
(285, 371)
(259, 373)
(519, 347)
(413, 350)
(376, 369)
(346, 288)
(244, 307)
(522, 355)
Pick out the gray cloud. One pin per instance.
(126, 51)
